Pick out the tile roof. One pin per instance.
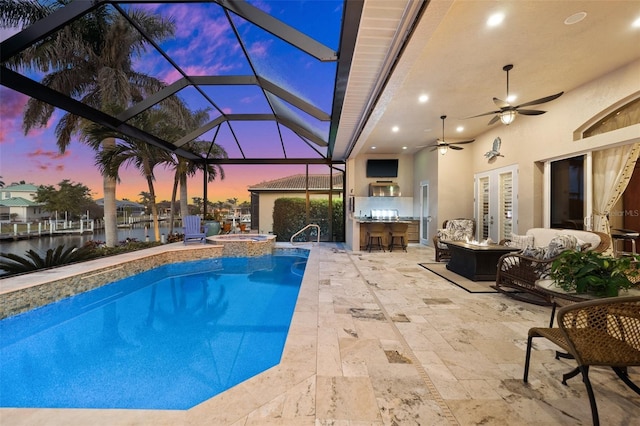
(298, 183)
(18, 202)
(22, 187)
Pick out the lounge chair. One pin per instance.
(193, 230)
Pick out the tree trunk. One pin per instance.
(110, 208)
(173, 202)
(154, 206)
(184, 204)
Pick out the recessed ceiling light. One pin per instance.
(575, 18)
(404, 147)
(459, 129)
(373, 147)
(395, 129)
(636, 23)
(495, 19)
(423, 98)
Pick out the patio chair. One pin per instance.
(193, 230)
(601, 332)
(452, 230)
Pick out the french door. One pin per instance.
(496, 203)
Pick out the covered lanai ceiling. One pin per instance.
(331, 80)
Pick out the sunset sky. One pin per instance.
(35, 158)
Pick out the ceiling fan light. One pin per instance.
(507, 117)
(443, 149)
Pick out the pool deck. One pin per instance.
(378, 340)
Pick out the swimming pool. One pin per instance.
(168, 338)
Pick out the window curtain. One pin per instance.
(612, 170)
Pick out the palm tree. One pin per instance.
(184, 167)
(143, 156)
(88, 60)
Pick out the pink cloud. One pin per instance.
(54, 155)
(260, 48)
(12, 104)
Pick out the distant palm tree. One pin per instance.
(89, 60)
(1, 183)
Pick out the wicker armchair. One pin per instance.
(520, 272)
(452, 230)
(602, 332)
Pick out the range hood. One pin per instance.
(383, 188)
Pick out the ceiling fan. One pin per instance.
(507, 112)
(442, 146)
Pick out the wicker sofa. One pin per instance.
(520, 270)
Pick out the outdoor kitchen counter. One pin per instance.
(412, 235)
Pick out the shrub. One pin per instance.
(289, 216)
(14, 264)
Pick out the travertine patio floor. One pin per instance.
(378, 340)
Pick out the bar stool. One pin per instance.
(375, 232)
(398, 231)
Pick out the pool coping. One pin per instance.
(22, 293)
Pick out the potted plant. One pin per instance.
(213, 224)
(594, 273)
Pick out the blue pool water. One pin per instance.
(168, 338)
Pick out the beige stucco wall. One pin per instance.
(404, 179)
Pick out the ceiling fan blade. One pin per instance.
(462, 142)
(482, 115)
(501, 104)
(455, 147)
(530, 112)
(493, 120)
(541, 100)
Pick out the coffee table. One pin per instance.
(474, 261)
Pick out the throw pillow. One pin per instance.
(559, 244)
(520, 241)
(536, 253)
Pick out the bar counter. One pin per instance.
(412, 235)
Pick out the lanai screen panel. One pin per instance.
(255, 58)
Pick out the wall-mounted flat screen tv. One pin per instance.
(382, 168)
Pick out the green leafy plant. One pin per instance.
(593, 273)
(32, 261)
(13, 264)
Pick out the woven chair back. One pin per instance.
(603, 332)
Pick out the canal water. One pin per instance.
(45, 242)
